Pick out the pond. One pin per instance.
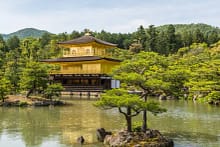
(187, 123)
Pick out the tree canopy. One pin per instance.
(132, 104)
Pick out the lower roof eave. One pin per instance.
(80, 59)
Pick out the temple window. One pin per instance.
(66, 51)
(103, 52)
(73, 52)
(88, 51)
(65, 67)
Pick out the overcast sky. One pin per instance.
(59, 16)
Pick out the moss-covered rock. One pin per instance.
(150, 138)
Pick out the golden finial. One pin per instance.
(87, 34)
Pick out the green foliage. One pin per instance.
(153, 107)
(121, 98)
(202, 65)
(23, 103)
(151, 41)
(120, 53)
(176, 76)
(3, 51)
(123, 40)
(27, 32)
(3, 47)
(136, 126)
(12, 69)
(4, 88)
(213, 96)
(13, 43)
(135, 47)
(190, 70)
(143, 72)
(204, 28)
(172, 37)
(34, 77)
(53, 90)
(45, 39)
(164, 39)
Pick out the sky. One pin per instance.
(58, 16)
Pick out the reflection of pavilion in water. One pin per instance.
(83, 121)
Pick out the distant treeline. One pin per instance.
(166, 39)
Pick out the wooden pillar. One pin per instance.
(89, 94)
(99, 82)
(80, 95)
(89, 82)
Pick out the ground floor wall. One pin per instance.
(83, 83)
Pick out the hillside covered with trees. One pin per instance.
(191, 54)
(164, 39)
(24, 33)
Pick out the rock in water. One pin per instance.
(101, 133)
(80, 140)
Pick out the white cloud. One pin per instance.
(67, 15)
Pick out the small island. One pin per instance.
(22, 101)
(131, 105)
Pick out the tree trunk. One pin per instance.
(128, 119)
(29, 92)
(144, 123)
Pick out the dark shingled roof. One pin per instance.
(87, 39)
(78, 59)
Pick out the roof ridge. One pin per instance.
(87, 39)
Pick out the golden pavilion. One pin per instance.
(85, 65)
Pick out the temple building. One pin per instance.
(85, 65)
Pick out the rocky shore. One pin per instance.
(150, 138)
(21, 101)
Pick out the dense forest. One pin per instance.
(192, 50)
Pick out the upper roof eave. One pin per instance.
(86, 39)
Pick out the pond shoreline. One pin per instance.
(149, 138)
(22, 101)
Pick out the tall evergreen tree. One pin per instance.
(186, 38)
(3, 46)
(198, 36)
(12, 69)
(4, 88)
(13, 43)
(75, 34)
(212, 37)
(141, 36)
(151, 41)
(34, 78)
(171, 38)
(3, 50)
(161, 45)
(45, 40)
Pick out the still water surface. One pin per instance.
(187, 123)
